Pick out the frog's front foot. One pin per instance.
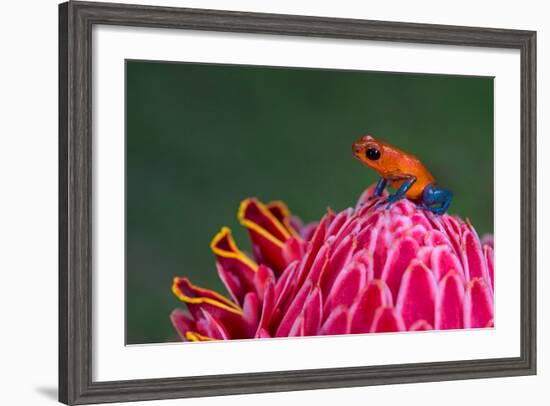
(381, 202)
(389, 201)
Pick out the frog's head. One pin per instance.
(369, 151)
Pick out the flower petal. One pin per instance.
(235, 269)
(338, 221)
(488, 239)
(193, 336)
(449, 313)
(416, 298)
(387, 320)
(473, 256)
(293, 311)
(421, 325)
(346, 286)
(313, 313)
(435, 237)
(284, 290)
(280, 211)
(314, 245)
(399, 258)
(374, 296)
(478, 304)
(222, 309)
(268, 305)
(319, 265)
(293, 249)
(367, 196)
(488, 252)
(182, 322)
(268, 235)
(337, 322)
(261, 278)
(214, 329)
(262, 333)
(340, 257)
(251, 311)
(444, 260)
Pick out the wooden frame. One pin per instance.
(76, 20)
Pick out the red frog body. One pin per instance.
(404, 172)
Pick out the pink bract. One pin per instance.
(364, 270)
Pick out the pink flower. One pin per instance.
(363, 270)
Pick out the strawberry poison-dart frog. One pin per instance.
(404, 172)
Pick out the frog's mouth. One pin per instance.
(358, 149)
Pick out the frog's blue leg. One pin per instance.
(380, 186)
(433, 195)
(399, 193)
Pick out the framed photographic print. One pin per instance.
(256, 202)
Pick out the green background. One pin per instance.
(201, 138)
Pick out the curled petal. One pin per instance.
(280, 211)
(222, 309)
(416, 299)
(235, 269)
(478, 304)
(192, 294)
(268, 235)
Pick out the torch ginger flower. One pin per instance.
(363, 270)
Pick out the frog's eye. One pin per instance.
(372, 154)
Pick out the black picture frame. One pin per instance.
(76, 20)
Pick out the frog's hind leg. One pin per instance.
(433, 195)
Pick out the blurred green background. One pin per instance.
(202, 137)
